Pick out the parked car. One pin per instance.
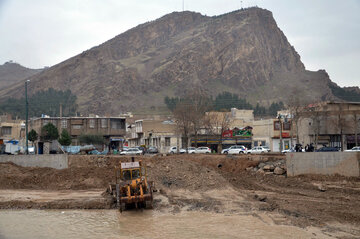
(191, 150)
(288, 151)
(131, 151)
(225, 151)
(152, 150)
(327, 149)
(173, 150)
(259, 150)
(237, 149)
(354, 149)
(125, 148)
(142, 149)
(203, 150)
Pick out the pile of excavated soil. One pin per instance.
(192, 172)
(16, 177)
(215, 183)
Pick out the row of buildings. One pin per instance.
(328, 123)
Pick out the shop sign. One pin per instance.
(227, 134)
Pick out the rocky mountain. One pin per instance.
(12, 73)
(242, 52)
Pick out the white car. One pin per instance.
(203, 150)
(259, 150)
(173, 150)
(191, 150)
(131, 151)
(237, 149)
(225, 151)
(355, 149)
(288, 151)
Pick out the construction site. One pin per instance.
(252, 185)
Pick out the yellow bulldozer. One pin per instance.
(131, 188)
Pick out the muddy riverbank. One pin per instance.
(187, 183)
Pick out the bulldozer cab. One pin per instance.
(131, 187)
(130, 174)
(131, 171)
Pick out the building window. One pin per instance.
(92, 123)
(103, 123)
(77, 126)
(263, 143)
(287, 125)
(6, 130)
(117, 124)
(167, 141)
(255, 143)
(276, 125)
(64, 124)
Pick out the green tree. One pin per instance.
(259, 110)
(171, 102)
(275, 107)
(65, 138)
(50, 132)
(32, 136)
(42, 102)
(227, 100)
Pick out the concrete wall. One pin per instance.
(327, 163)
(57, 161)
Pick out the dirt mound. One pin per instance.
(215, 183)
(178, 173)
(16, 177)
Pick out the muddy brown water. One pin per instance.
(70, 224)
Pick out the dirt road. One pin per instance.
(212, 183)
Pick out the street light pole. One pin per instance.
(26, 116)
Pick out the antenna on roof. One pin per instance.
(241, 4)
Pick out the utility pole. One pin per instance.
(183, 5)
(27, 117)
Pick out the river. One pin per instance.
(75, 224)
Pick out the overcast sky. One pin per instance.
(38, 33)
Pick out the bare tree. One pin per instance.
(217, 123)
(200, 105)
(314, 114)
(182, 115)
(356, 127)
(296, 106)
(341, 123)
(316, 126)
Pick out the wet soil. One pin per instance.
(211, 183)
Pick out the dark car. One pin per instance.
(152, 150)
(327, 149)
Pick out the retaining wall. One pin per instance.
(327, 163)
(58, 161)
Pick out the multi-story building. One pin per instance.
(335, 124)
(270, 132)
(161, 134)
(11, 129)
(225, 129)
(111, 128)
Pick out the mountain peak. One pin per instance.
(242, 52)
